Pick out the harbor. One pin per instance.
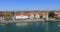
(31, 27)
(29, 15)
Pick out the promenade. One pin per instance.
(26, 20)
(20, 21)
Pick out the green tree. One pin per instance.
(51, 14)
(7, 16)
(41, 16)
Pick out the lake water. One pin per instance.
(31, 27)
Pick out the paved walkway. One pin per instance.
(25, 20)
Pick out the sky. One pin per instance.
(29, 5)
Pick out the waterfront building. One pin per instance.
(25, 15)
(21, 15)
(18, 16)
(37, 16)
(57, 13)
(1, 15)
(31, 15)
(43, 14)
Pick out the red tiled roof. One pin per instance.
(58, 14)
(20, 14)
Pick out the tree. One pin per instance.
(51, 14)
(7, 16)
(41, 16)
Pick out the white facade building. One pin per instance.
(37, 16)
(31, 16)
(21, 17)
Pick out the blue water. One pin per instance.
(31, 27)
